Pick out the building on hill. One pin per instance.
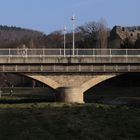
(119, 34)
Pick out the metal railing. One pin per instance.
(69, 52)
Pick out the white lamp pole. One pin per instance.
(73, 21)
(65, 30)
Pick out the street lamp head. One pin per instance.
(65, 28)
(73, 18)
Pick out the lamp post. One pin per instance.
(73, 44)
(65, 30)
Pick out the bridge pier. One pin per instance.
(70, 95)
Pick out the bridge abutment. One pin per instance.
(70, 95)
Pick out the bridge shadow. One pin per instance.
(117, 90)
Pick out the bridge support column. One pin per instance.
(70, 95)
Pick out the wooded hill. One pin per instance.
(13, 37)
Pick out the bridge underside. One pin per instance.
(70, 81)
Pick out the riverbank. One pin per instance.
(55, 121)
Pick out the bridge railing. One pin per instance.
(69, 52)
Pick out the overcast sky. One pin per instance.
(51, 15)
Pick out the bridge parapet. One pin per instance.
(57, 56)
(69, 60)
(68, 52)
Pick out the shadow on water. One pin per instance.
(122, 89)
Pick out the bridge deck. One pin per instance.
(59, 60)
(69, 68)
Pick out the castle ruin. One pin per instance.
(119, 34)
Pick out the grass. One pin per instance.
(55, 121)
(20, 100)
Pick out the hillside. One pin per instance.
(13, 37)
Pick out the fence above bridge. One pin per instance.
(69, 52)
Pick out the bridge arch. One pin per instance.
(94, 81)
(43, 79)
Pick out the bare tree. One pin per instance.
(95, 34)
(88, 34)
(102, 34)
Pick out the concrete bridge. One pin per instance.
(67, 73)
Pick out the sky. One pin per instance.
(51, 15)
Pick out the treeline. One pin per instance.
(89, 35)
(94, 35)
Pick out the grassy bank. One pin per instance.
(45, 121)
